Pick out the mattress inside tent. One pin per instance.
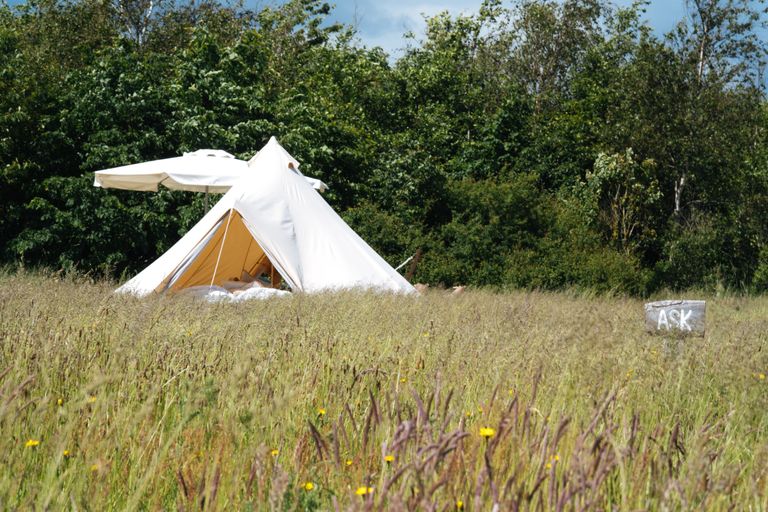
(228, 264)
(221, 294)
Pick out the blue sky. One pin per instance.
(383, 22)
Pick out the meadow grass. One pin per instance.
(113, 403)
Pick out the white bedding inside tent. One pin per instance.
(221, 294)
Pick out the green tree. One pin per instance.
(498, 144)
(720, 48)
(620, 196)
(554, 37)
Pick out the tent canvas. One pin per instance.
(270, 220)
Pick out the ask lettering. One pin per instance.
(675, 318)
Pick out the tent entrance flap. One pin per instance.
(239, 257)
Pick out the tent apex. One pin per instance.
(216, 153)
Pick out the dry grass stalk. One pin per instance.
(171, 403)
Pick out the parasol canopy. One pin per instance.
(205, 170)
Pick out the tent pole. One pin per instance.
(223, 241)
(206, 199)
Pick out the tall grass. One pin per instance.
(169, 403)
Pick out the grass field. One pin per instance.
(356, 401)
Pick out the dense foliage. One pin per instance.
(531, 144)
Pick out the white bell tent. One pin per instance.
(271, 222)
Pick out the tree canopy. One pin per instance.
(533, 143)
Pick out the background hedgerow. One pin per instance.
(526, 400)
(534, 144)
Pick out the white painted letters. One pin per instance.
(663, 320)
(674, 318)
(684, 316)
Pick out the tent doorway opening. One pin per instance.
(229, 256)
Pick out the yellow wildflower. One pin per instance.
(761, 376)
(31, 443)
(389, 458)
(487, 432)
(321, 411)
(549, 465)
(309, 486)
(348, 462)
(67, 453)
(91, 399)
(362, 491)
(94, 467)
(556, 458)
(403, 380)
(459, 505)
(60, 402)
(275, 452)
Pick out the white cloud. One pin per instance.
(384, 22)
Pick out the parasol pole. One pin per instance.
(223, 241)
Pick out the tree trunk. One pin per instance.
(679, 184)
